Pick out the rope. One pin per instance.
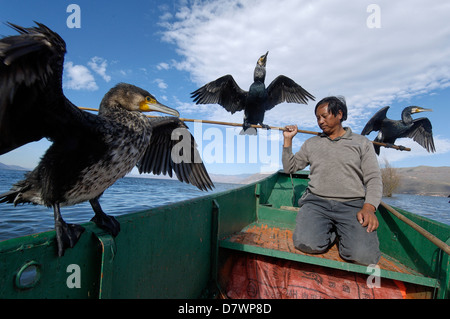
(293, 190)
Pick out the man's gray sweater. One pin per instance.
(343, 169)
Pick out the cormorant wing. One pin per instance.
(422, 133)
(168, 152)
(284, 89)
(374, 124)
(32, 103)
(224, 91)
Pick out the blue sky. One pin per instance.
(396, 54)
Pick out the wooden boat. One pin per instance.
(235, 244)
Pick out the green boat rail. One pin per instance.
(180, 250)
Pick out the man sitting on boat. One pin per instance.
(344, 190)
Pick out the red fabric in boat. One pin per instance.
(261, 277)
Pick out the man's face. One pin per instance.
(326, 120)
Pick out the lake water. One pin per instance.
(132, 194)
(432, 207)
(129, 194)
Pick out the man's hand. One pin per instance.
(289, 132)
(366, 217)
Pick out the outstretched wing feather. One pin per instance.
(161, 158)
(374, 124)
(223, 91)
(422, 133)
(32, 103)
(284, 89)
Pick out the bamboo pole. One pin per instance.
(439, 243)
(397, 147)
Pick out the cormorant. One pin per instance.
(257, 100)
(89, 152)
(420, 130)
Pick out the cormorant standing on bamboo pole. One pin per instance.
(89, 152)
(420, 130)
(257, 100)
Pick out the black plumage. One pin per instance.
(89, 152)
(257, 100)
(420, 130)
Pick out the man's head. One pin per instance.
(330, 113)
(335, 104)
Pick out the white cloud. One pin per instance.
(161, 84)
(191, 108)
(126, 73)
(78, 77)
(324, 46)
(98, 65)
(163, 66)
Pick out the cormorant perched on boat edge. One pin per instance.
(89, 152)
(420, 130)
(257, 100)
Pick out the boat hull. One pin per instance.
(182, 250)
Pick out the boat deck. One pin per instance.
(266, 239)
(280, 239)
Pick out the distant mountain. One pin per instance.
(216, 178)
(421, 180)
(228, 179)
(13, 167)
(237, 179)
(424, 180)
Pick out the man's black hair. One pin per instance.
(335, 104)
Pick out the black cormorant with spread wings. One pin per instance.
(420, 130)
(89, 152)
(257, 100)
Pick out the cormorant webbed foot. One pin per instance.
(67, 235)
(105, 222)
(247, 129)
(245, 126)
(265, 126)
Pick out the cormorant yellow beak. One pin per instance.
(151, 104)
(420, 109)
(263, 59)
